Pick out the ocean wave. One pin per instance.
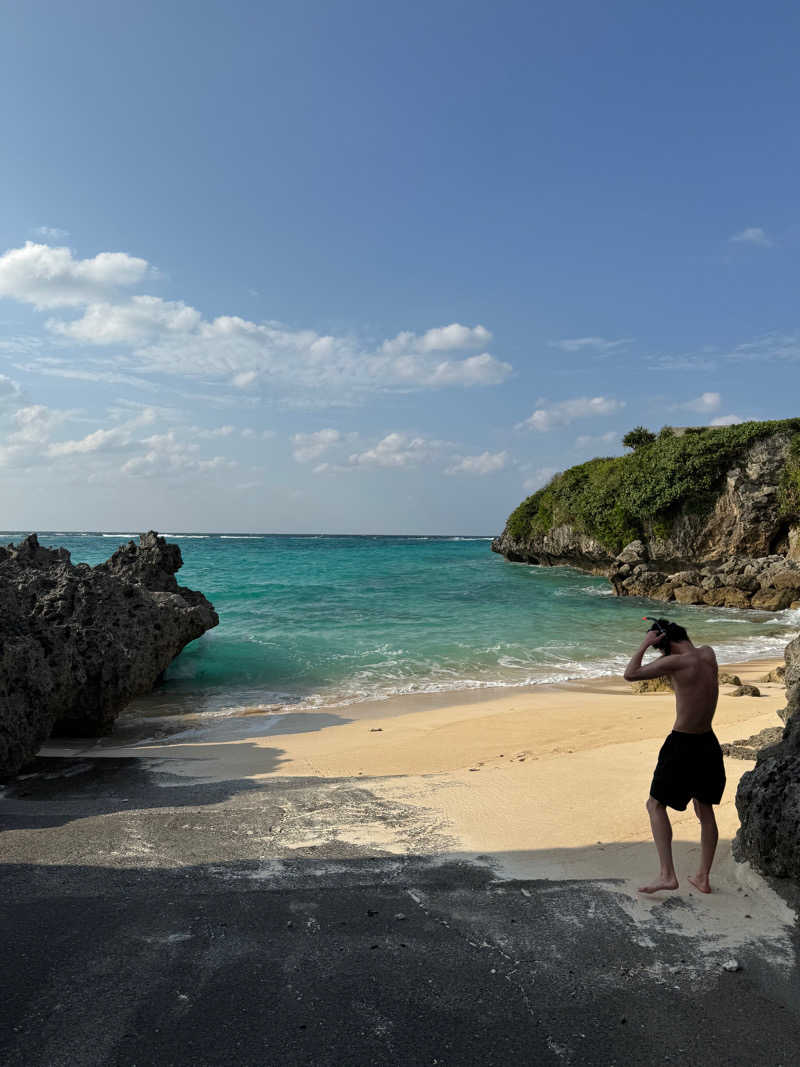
(241, 537)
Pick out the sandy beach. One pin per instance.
(557, 767)
(549, 780)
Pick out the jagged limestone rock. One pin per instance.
(749, 747)
(78, 643)
(653, 685)
(776, 675)
(768, 797)
(746, 691)
(729, 679)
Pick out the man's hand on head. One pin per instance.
(652, 637)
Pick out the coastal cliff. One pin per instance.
(708, 515)
(768, 798)
(78, 643)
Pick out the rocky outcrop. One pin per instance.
(78, 643)
(559, 546)
(741, 553)
(768, 798)
(769, 583)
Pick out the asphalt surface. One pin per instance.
(150, 920)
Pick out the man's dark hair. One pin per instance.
(673, 631)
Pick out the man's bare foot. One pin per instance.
(700, 881)
(659, 883)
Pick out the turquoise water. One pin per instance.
(316, 621)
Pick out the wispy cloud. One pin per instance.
(752, 235)
(599, 344)
(585, 440)
(540, 477)
(485, 463)
(308, 446)
(564, 412)
(704, 403)
(51, 233)
(727, 420)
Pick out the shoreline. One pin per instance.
(405, 703)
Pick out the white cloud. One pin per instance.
(566, 411)
(599, 344)
(396, 450)
(102, 440)
(215, 431)
(485, 463)
(143, 319)
(99, 440)
(32, 441)
(51, 233)
(540, 477)
(50, 277)
(752, 235)
(173, 338)
(703, 403)
(26, 442)
(438, 339)
(727, 420)
(475, 370)
(586, 440)
(157, 336)
(308, 446)
(166, 456)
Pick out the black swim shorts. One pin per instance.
(689, 765)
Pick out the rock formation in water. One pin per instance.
(768, 797)
(78, 643)
(710, 516)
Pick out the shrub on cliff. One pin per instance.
(637, 437)
(610, 498)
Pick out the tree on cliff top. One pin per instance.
(637, 437)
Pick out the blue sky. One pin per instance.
(358, 267)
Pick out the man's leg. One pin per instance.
(709, 835)
(662, 835)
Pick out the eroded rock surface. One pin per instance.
(768, 798)
(78, 643)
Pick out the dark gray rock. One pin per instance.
(749, 747)
(768, 797)
(78, 643)
(746, 691)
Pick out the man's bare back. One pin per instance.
(694, 679)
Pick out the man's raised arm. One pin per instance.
(635, 672)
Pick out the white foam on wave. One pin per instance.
(241, 537)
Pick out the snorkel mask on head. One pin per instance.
(659, 625)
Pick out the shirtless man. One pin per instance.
(690, 760)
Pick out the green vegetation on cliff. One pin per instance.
(609, 498)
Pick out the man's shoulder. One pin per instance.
(707, 651)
